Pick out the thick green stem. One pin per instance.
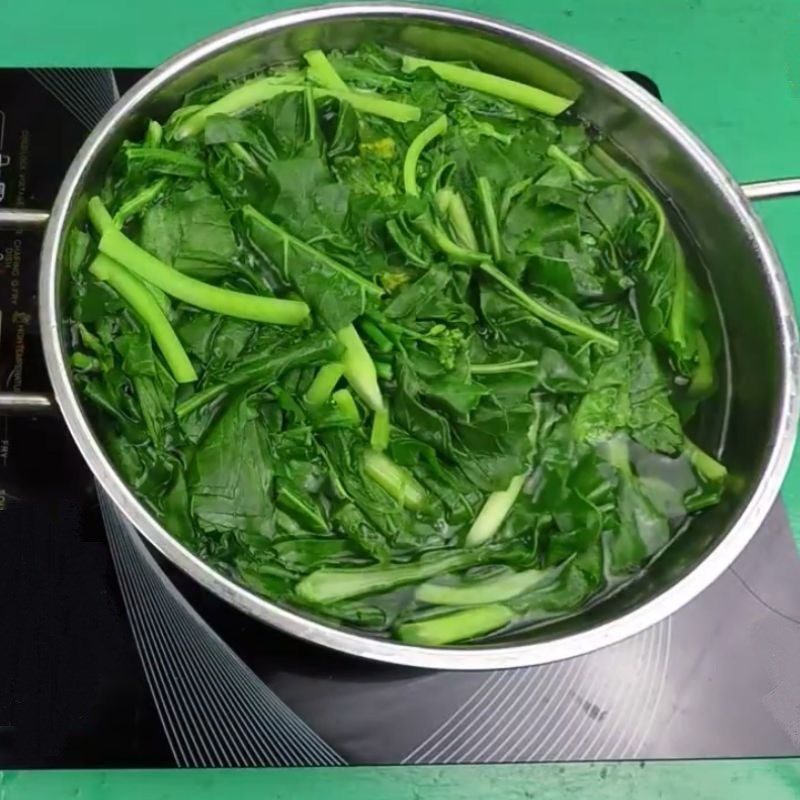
(329, 585)
(709, 468)
(501, 366)
(245, 96)
(439, 239)
(203, 295)
(199, 399)
(99, 217)
(384, 370)
(486, 196)
(250, 213)
(548, 314)
(382, 343)
(421, 141)
(395, 480)
(322, 71)
(371, 103)
(323, 385)
(379, 436)
(146, 307)
(478, 593)
(451, 205)
(493, 513)
(519, 93)
(260, 91)
(458, 626)
(346, 406)
(154, 134)
(359, 369)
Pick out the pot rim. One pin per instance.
(476, 657)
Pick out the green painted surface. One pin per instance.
(734, 780)
(731, 70)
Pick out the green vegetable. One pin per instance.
(331, 585)
(322, 72)
(346, 406)
(359, 369)
(379, 438)
(117, 246)
(455, 626)
(146, 306)
(323, 385)
(391, 341)
(479, 592)
(520, 93)
(397, 481)
(422, 140)
(264, 89)
(494, 511)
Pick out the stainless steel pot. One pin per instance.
(758, 430)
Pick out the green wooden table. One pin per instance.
(731, 70)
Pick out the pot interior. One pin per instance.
(743, 424)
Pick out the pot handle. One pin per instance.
(24, 403)
(769, 190)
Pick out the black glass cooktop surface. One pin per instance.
(110, 658)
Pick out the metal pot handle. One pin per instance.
(26, 403)
(35, 404)
(770, 190)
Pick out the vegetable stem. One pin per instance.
(329, 585)
(199, 399)
(322, 71)
(577, 170)
(477, 593)
(266, 368)
(519, 93)
(146, 307)
(420, 142)
(384, 370)
(323, 384)
(379, 437)
(451, 204)
(486, 196)
(501, 366)
(139, 201)
(239, 152)
(154, 134)
(382, 343)
(371, 103)
(439, 239)
(546, 313)
(203, 295)
(99, 217)
(346, 406)
(455, 626)
(240, 99)
(261, 90)
(359, 369)
(494, 511)
(705, 464)
(395, 480)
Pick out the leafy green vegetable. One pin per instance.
(396, 341)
